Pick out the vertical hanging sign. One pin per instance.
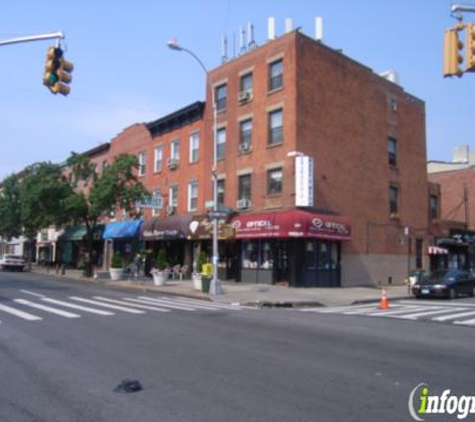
(304, 181)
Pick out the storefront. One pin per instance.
(459, 247)
(73, 247)
(295, 248)
(46, 246)
(121, 237)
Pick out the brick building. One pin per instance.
(292, 96)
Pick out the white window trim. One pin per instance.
(170, 197)
(142, 163)
(190, 189)
(155, 156)
(192, 135)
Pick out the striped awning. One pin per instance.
(437, 250)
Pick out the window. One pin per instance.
(104, 165)
(221, 143)
(275, 127)
(419, 248)
(393, 200)
(194, 147)
(142, 163)
(192, 196)
(244, 186)
(392, 151)
(175, 149)
(221, 187)
(221, 95)
(158, 159)
(433, 207)
(310, 254)
(246, 83)
(276, 75)
(156, 200)
(173, 196)
(274, 181)
(250, 253)
(245, 135)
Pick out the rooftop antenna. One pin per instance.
(242, 40)
(251, 44)
(224, 50)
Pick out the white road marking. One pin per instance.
(437, 303)
(18, 313)
(31, 293)
(453, 316)
(401, 310)
(107, 305)
(374, 308)
(432, 312)
(196, 302)
(161, 303)
(121, 302)
(78, 307)
(209, 308)
(469, 322)
(47, 308)
(325, 310)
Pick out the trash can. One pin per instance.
(205, 282)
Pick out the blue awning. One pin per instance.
(122, 229)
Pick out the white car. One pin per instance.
(13, 262)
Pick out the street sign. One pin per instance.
(217, 215)
(209, 204)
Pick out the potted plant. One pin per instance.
(160, 272)
(202, 259)
(116, 267)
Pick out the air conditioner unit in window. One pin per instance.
(171, 210)
(243, 203)
(244, 147)
(244, 97)
(172, 163)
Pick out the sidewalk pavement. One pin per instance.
(259, 295)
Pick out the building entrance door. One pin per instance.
(282, 261)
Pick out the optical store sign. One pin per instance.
(423, 403)
(304, 181)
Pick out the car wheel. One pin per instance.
(452, 293)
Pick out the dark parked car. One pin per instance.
(448, 283)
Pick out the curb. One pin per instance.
(280, 304)
(368, 301)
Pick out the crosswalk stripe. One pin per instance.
(161, 303)
(47, 308)
(453, 316)
(195, 302)
(197, 306)
(399, 311)
(121, 302)
(344, 308)
(20, 314)
(425, 313)
(107, 305)
(374, 308)
(78, 307)
(32, 293)
(437, 303)
(468, 322)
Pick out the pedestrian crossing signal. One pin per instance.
(58, 70)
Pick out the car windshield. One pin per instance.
(441, 276)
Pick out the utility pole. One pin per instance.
(55, 35)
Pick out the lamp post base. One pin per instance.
(215, 288)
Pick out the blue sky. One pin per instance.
(124, 72)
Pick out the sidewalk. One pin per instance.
(260, 295)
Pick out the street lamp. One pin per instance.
(215, 286)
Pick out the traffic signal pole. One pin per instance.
(31, 38)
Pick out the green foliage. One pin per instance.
(10, 208)
(202, 259)
(161, 262)
(116, 261)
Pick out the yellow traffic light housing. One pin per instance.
(470, 52)
(452, 53)
(58, 70)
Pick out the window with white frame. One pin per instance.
(173, 196)
(245, 135)
(221, 143)
(275, 134)
(158, 159)
(156, 199)
(142, 163)
(193, 195)
(175, 149)
(194, 147)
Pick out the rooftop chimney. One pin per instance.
(271, 28)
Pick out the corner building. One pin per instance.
(322, 162)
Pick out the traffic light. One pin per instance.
(58, 70)
(470, 41)
(452, 53)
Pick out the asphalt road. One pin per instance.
(214, 365)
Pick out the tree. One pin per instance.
(117, 187)
(10, 208)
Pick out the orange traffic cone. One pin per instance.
(384, 304)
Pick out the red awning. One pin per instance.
(291, 223)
